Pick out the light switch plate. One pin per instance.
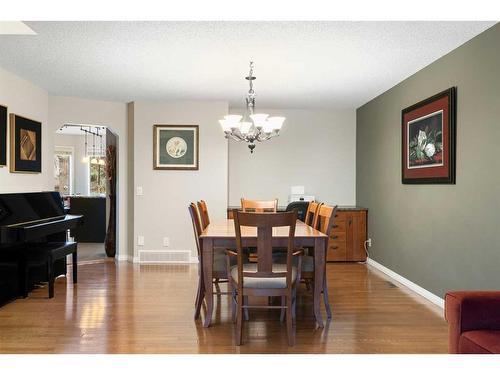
(139, 190)
(140, 240)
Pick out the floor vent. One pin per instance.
(391, 285)
(164, 256)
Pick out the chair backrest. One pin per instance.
(203, 209)
(195, 218)
(312, 214)
(300, 206)
(326, 217)
(264, 222)
(248, 205)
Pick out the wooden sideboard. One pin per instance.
(347, 241)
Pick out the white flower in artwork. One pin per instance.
(422, 137)
(430, 150)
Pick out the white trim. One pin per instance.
(409, 284)
(123, 258)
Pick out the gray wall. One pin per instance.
(440, 237)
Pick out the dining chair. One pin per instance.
(203, 210)
(311, 218)
(249, 205)
(324, 223)
(264, 278)
(220, 273)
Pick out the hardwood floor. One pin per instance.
(125, 308)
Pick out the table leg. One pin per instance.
(207, 260)
(319, 266)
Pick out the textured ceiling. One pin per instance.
(297, 64)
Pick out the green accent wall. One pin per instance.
(441, 237)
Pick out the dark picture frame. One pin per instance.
(3, 135)
(25, 145)
(176, 147)
(428, 140)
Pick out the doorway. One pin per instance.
(81, 175)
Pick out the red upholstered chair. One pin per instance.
(474, 322)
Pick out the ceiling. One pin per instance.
(297, 64)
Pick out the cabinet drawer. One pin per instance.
(338, 237)
(338, 226)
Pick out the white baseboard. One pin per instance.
(409, 284)
(123, 258)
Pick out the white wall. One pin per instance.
(316, 149)
(25, 99)
(163, 209)
(80, 169)
(64, 110)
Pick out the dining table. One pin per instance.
(221, 234)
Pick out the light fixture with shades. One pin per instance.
(85, 159)
(251, 127)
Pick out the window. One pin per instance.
(63, 170)
(97, 185)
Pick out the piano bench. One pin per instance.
(46, 255)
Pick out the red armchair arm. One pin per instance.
(471, 310)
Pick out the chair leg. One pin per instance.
(294, 305)
(289, 322)
(239, 320)
(75, 267)
(233, 305)
(50, 276)
(283, 309)
(247, 317)
(199, 299)
(326, 299)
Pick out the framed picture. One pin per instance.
(25, 145)
(428, 140)
(175, 147)
(3, 136)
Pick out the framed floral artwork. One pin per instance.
(175, 147)
(25, 145)
(428, 140)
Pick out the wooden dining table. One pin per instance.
(221, 233)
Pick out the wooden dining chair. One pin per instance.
(311, 218)
(264, 278)
(324, 223)
(219, 270)
(203, 210)
(248, 205)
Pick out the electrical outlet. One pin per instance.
(369, 242)
(166, 241)
(140, 240)
(139, 190)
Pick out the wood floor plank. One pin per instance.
(125, 308)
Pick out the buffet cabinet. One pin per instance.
(347, 240)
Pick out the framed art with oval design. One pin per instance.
(175, 147)
(428, 140)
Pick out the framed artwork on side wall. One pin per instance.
(25, 145)
(428, 140)
(3, 136)
(175, 147)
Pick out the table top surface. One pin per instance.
(225, 229)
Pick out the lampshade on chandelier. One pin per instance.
(251, 127)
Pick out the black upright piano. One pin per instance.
(29, 221)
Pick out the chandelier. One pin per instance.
(251, 127)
